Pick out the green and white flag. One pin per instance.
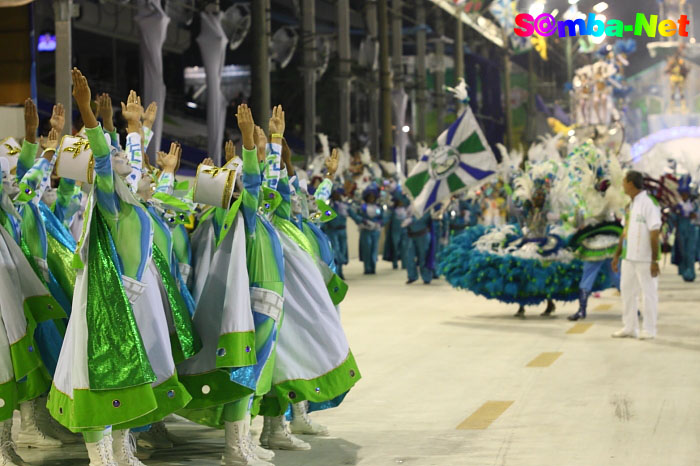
(459, 160)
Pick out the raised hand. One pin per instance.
(208, 161)
(58, 117)
(150, 116)
(260, 142)
(332, 163)
(133, 111)
(31, 121)
(171, 161)
(229, 150)
(277, 124)
(50, 143)
(246, 125)
(83, 97)
(105, 110)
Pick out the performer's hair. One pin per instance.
(636, 178)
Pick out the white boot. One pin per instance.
(237, 451)
(156, 438)
(124, 447)
(302, 424)
(8, 455)
(51, 426)
(30, 435)
(276, 436)
(257, 450)
(99, 453)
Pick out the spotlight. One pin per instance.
(536, 9)
(406, 129)
(600, 7)
(191, 105)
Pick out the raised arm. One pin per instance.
(106, 112)
(107, 199)
(169, 164)
(251, 168)
(29, 145)
(32, 180)
(132, 112)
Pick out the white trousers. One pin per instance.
(636, 282)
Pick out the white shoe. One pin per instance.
(30, 435)
(51, 426)
(8, 455)
(238, 452)
(644, 335)
(623, 334)
(302, 423)
(99, 453)
(124, 447)
(156, 438)
(276, 436)
(258, 451)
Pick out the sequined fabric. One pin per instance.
(187, 337)
(116, 355)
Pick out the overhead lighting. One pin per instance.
(598, 40)
(406, 129)
(536, 9)
(191, 105)
(600, 7)
(573, 2)
(555, 12)
(602, 18)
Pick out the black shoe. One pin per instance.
(550, 308)
(426, 283)
(409, 281)
(577, 316)
(520, 313)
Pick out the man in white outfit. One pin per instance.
(639, 250)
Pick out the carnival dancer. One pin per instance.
(369, 217)
(336, 229)
(25, 302)
(311, 293)
(116, 368)
(418, 231)
(396, 239)
(239, 308)
(685, 243)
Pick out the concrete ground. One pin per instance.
(453, 379)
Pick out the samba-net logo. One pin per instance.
(545, 25)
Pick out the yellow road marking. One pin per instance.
(544, 360)
(603, 307)
(579, 328)
(485, 415)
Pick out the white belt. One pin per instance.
(266, 302)
(133, 288)
(185, 270)
(43, 266)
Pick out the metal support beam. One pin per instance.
(420, 111)
(373, 87)
(397, 42)
(507, 68)
(440, 73)
(344, 69)
(531, 91)
(385, 75)
(63, 11)
(260, 72)
(459, 50)
(309, 57)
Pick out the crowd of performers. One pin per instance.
(119, 310)
(115, 316)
